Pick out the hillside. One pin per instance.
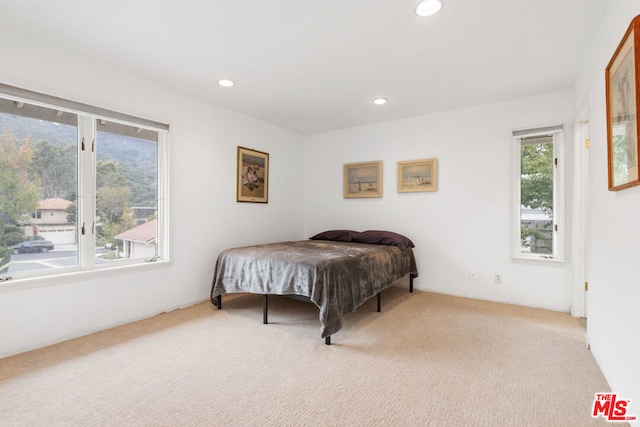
(137, 157)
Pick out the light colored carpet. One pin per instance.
(426, 360)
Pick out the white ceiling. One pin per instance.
(314, 66)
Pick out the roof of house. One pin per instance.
(56, 204)
(144, 233)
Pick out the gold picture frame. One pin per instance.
(623, 105)
(362, 180)
(418, 175)
(252, 176)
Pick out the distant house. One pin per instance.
(49, 221)
(140, 241)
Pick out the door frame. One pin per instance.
(580, 228)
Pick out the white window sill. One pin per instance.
(27, 283)
(539, 260)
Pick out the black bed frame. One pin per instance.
(217, 301)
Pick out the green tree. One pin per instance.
(54, 167)
(144, 191)
(536, 192)
(110, 229)
(18, 195)
(113, 198)
(109, 173)
(112, 202)
(71, 210)
(537, 177)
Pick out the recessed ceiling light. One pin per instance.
(225, 83)
(381, 100)
(429, 7)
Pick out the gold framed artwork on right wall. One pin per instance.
(418, 175)
(623, 105)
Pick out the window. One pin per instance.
(98, 175)
(538, 193)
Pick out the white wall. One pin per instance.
(464, 226)
(614, 281)
(204, 218)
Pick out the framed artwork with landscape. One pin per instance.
(252, 176)
(418, 175)
(623, 104)
(362, 180)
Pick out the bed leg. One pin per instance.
(379, 302)
(265, 308)
(327, 340)
(411, 277)
(217, 301)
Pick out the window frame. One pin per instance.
(556, 131)
(86, 186)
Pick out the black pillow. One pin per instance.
(336, 235)
(378, 237)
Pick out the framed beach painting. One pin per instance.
(252, 176)
(418, 175)
(623, 105)
(362, 180)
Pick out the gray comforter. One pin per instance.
(337, 276)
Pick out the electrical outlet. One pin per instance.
(473, 276)
(498, 278)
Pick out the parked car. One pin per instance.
(32, 246)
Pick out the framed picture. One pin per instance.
(418, 175)
(623, 104)
(252, 176)
(363, 180)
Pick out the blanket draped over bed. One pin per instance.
(336, 276)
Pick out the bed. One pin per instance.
(337, 270)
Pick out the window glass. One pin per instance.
(38, 187)
(80, 187)
(126, 191)
(536, 195)
(538, 191)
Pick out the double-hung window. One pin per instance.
(538, 195)
(81, 188)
